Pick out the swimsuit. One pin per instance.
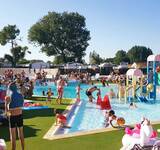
(60, 89)
(88, 93)
(16, 100)
(16, 121)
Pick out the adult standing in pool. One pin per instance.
(60, 89)
(90, 91)
(13, 109)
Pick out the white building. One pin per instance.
(40, 65)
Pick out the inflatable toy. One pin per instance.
(99, 100)
(105, 104)
(144, 136)
(28, 104)
(120, 121)
(136, 132)
(2, 144)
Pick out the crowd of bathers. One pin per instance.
(24, 84)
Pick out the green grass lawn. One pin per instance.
(38, 122)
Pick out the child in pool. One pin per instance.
(78, 89)
(109, 116)
(49, 94)
(112, 94)
(132, 105)
(60, 119)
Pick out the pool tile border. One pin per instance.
(81, 133)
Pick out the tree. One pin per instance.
(24, 61)
(95, 58)
(9, 34)
(61, 34)
(121, 56)
(139, 54)
(18, 53)
(109, 60)
(58, 60)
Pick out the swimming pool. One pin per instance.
(89, 116)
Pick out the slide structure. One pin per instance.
(145, 96)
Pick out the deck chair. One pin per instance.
(147, 147)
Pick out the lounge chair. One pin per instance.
(156, 146)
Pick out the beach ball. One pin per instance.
(120, 121)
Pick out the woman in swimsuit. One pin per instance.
(13, 110)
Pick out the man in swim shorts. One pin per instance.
(90, 91)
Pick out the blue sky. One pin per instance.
(113, 24)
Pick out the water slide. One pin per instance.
(143, 97)
(128, 93)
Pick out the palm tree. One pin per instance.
(18, 53)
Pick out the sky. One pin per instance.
(113, 24)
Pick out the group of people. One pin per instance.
(41, 77)
(83, 77)
(14, 101)
(24, 84)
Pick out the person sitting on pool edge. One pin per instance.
(90, 91)
(60, 119)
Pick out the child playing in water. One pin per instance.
(49, 94)
(132, 105)
(109, 116)
(60, 119)
(112, 94)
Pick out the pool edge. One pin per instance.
(81, 133)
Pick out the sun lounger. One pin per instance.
(156, 146)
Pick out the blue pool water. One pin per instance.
(89, 116)
(70, 90)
